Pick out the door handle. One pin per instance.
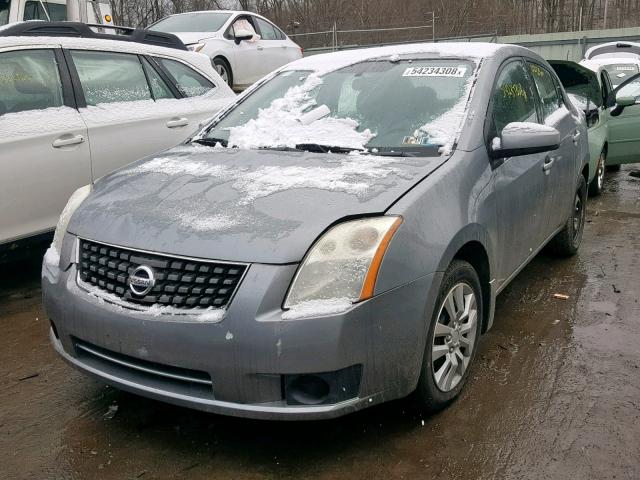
(548, 163)
(178, 122)
(65, 142)
(576, 136)
(260, 48)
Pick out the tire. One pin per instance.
(596, 185)
(440, 381)
(567, 242)
(222, 68)
(613, 168)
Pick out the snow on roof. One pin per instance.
(199, 60)
(332, 61)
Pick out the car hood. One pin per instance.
(240, 205)
(194, 37)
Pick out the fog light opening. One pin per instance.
(309, 390)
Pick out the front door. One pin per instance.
(44, 148)
(624, 130)
(519, 183)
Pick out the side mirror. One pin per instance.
(242, 34)
(621, 103)
(524, 138)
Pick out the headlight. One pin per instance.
(343, 264)
(74, 202)
(195, 47)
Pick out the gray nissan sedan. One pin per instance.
(334, 239)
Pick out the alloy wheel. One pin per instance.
(578, 216)
(600, 172)
(454, 336)
(222, 71)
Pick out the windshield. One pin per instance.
(621, 72)
(56, 12)
(387, 105)
(192, 22)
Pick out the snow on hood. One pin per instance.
(280, 125)
(241, 205)
(195, 37)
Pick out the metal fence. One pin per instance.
(563, 45)
(334, 39)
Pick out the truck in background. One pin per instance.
(86, 11)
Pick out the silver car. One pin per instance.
(335, 239)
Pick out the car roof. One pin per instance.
(335, 60)
(105, 45)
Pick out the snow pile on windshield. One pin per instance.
(446, 129)
(280, 124)
(318, 308)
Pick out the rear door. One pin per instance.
(275, 47)
(624, 130)
(131, 107)
(519, 183)
(559, 165)
(44, 149)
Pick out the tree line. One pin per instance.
(453, 18)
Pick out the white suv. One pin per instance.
(74, 109)
(243, 46)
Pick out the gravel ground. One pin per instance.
(554, 393)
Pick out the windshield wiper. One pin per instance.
(319, 148)
(393, 154)
(211, 142)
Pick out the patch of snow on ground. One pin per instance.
(446, 129)
(279, 124)
(317, 308)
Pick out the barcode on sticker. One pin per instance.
(435, 72)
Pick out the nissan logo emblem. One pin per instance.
(141, 280)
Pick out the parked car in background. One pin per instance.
(333, 240)
(242, 46)
(613, 139)
(74, 109)
(620, 59)
(86, 11)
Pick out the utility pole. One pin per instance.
(433, 26)
(606, 8)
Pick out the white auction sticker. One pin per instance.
(626, 69)
(435, 72)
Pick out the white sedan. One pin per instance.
(75, 109)
(242, 46)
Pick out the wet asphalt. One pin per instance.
(554, 392)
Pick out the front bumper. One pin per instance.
(249, 357)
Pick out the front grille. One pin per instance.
(180, 283)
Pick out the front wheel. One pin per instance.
(223, 69)
(452, 338)
(568, 240)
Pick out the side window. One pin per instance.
(159, 88)
(35, 10)
(189, 82)
(630, 88)
(512, 97)
(29, 80)
(110, 77)
(267, 31)
(547, 89)
(4, 12)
